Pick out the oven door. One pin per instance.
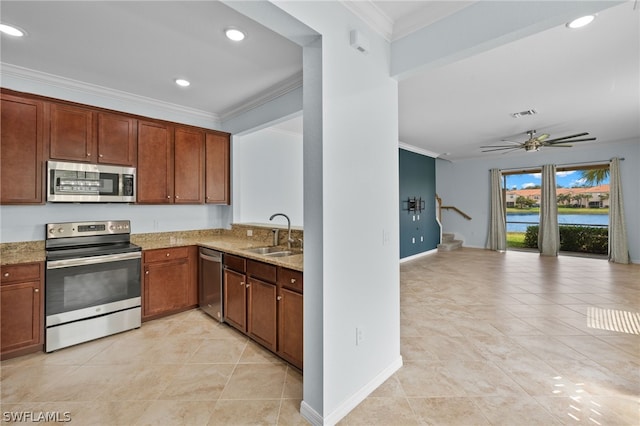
(80, 288)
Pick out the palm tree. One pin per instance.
(594, 177)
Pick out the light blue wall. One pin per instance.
(465, 184)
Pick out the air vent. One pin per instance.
(523, 113)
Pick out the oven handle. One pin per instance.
(68, 263)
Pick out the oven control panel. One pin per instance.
(82, 229)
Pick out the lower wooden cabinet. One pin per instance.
(169, 281)
(21, 309)
(265, 302)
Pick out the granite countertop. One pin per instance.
(232, 242)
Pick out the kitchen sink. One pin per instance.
(273, 251)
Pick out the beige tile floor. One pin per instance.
(487, 338)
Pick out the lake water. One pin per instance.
(534, 219)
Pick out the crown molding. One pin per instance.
(292, 83)
(417, 150)
(21, 74)
(372, 15)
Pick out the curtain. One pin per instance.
(618, 244)
(497, 224)
(548, 233)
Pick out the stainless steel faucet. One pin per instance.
(289, 240)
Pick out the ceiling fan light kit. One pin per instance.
(534, 143)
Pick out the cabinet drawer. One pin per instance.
(20, 272)
(235, 263)
(264, 271)
(290, 279)
(161, 255)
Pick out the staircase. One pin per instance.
(449, 243)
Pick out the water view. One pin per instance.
(598, 220)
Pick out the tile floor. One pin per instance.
(487, 339)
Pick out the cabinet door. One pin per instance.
(188, 166)
(262, 310)
(166, 287)
(20, 315)
(217, 169)
(155, 164)
(71, 135)
(235, 300)
(117, 139)
(290, 326)
(21, 146)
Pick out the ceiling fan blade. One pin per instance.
(507, 140)
(502, 149)
(542, 137)
(559, 146)
(499, 146)
(567, 137)
(550, 143)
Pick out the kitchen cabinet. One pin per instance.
(71, 133)
(170, 281)
(262, 303)
(189, 154)
(235, 293)
(21, 309)
(217, 168)
(170, 164)
(265, 302)
(117, 139)
(91, 136)
(290, 316)
(21, 150)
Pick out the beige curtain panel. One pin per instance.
(618, 243)
(549, 232)
(497, 224)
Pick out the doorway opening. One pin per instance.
(583, 208)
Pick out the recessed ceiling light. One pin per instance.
(581, 22)
(11, 30)
(182, 82)
(234, 34)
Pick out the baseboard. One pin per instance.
(419, 255)
(345, 408)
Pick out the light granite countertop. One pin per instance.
(233, 241)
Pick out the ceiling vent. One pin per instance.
(523, 113)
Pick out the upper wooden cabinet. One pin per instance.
(170, 164)
(71, 133)
(21, 150)
(82, 134)
(188, 166)
(117, 139)
(217, 168)
(155, 163)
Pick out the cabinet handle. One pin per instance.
(177, 197)
(168, 196)
(248, 285)
(293, 280)
(101, 156)
(279, 298)
(242, 283)
(36, 290)
(146, 272)
(168, 254)
(6, 274)
(88, 154)
(207, 198)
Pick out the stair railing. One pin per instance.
(440, 207)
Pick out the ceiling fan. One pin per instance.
(534, 143)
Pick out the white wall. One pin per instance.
(27, 223)
(267, 176)
(465, 184)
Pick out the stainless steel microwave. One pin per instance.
(90, 183)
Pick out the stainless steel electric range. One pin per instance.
(92, 282)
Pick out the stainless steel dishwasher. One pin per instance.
(210, 283)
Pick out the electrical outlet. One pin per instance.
(413, 240)
(359, 336)
(249, 232)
